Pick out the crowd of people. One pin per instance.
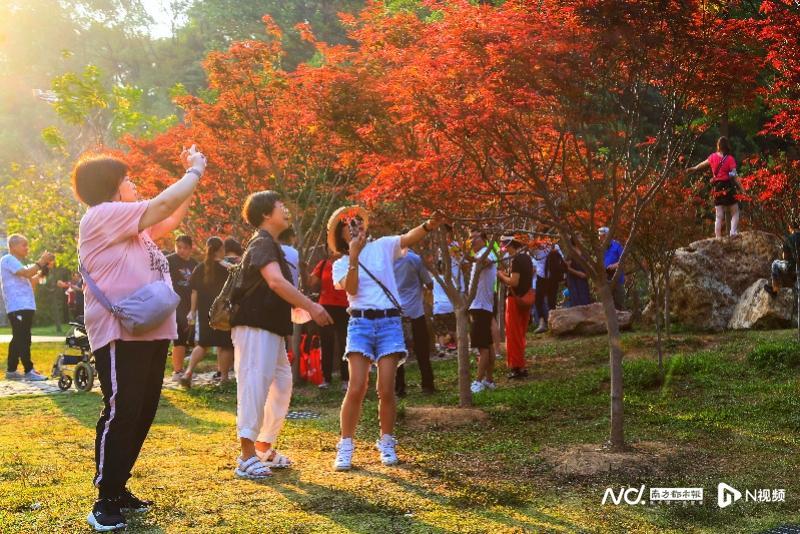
(373, 302)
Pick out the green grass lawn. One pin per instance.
(47, 330)
(725, 419)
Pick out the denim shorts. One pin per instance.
(376, 338)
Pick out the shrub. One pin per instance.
(775, 355)
(641, 374)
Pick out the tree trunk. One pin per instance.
(294, 344)
(636, 304)
(797, 293)
(659, 345)
(501, 310)
(657, 319)
(724, 124)
(462, 340)
(666, 306)
(615, 366)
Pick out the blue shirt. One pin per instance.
(612, 255)
(17, 290)
(411, 276)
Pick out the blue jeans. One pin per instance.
(376, 338)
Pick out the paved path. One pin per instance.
(10, 388)
(6, 338)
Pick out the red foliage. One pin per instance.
(260, 129)
(780, 34)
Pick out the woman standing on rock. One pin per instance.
(724, 183)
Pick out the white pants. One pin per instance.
(263, 383)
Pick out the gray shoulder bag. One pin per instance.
(145, 309)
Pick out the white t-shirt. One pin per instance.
(293, 259)
(378, 256)
(484, 297)
(17, 290)
(441, 302)
(539, 257)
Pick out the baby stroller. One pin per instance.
(80, 365)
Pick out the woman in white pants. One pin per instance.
(259, 325)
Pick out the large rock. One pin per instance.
(756, 309)
(709, 276)
(584, 320)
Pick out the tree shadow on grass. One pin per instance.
(542, 520)
(349, 510)
(85, 409)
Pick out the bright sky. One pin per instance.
(162, 16)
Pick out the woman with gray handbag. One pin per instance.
(129, 313)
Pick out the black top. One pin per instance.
(522, 264)
(180, 271)
(791, 245)
(207, 290)
(262, 308)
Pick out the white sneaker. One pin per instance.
(176, 376)
(477, 387)
(489, 385)
(34, 376)
(324, 385)
(344, 455)
(386, 446)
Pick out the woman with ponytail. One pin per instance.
(206, 283)
(724, 185)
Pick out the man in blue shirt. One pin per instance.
(611, 262)
(15, 280)
(412, 277)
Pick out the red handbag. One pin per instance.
(311, 360)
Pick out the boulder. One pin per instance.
(756, 309)
(709, 276)
(584, 320)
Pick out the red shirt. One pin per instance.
(720, 168)
(328, 295)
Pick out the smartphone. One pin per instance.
(353, 228)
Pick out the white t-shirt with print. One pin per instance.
(484, 297)
(378, 256)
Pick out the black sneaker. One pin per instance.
(130, 502)
(517, 373)
(106, 516)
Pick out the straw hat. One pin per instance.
(344, 213)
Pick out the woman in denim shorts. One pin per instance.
(375, 331)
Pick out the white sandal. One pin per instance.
(278, 461)
(252, 469)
